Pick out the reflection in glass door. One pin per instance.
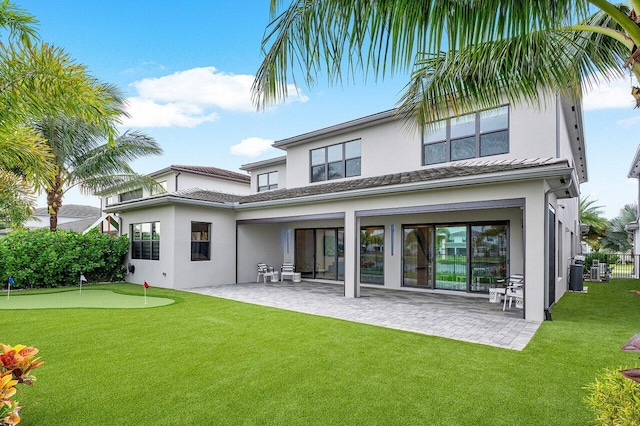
(304, 252)
(451, 257)
(418, 253)
(488, 256)
(320, 253)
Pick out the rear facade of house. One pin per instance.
(456, 207)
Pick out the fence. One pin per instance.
(621, 265)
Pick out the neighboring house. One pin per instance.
(70, 217)
(374, 202)
(633, 227)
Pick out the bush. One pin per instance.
(614, 399)
(40, 258)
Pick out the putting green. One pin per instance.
(74, 299)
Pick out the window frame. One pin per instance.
(137, 240)
(134, 194)
(200, 242)
(449, 141)
(270, 186)
(342, 162)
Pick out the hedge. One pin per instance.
(40, 258)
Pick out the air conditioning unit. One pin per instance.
(595, 273)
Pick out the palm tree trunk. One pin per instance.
(54, 201)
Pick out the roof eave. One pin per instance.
(499, 177)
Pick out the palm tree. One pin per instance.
(35, 81)
(83, 157)
(464, 55)
(591, 215)
(617, 237)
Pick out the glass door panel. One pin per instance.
(488, 256)
(326, 253)
(451, 257)
(304, 252)
(372, 255)
(340, 251)
(417, 256)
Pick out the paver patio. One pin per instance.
(469, 319)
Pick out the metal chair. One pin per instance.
(287, 269)
(266, 271)
(515, 290)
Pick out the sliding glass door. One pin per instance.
(320, 253)
(417, 270)
(464, 257)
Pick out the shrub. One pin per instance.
(614, 399)
(16, 364)
(40, 258)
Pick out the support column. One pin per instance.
(534, 255)
(351, 254)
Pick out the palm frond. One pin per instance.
(386, 36)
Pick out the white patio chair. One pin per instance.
(515, 290)
(266, 271)
(288, 269)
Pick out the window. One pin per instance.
(468, 136)
(131, 195)
(200, 241)
(145, 241)
(336, 161)
(267, 181)
(109, 200)
(155, 190)
(372, 254)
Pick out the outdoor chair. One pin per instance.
(266, 271)
(287, 269)
(514, 290)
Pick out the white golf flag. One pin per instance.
(82, 278)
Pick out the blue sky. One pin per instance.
(186, 67)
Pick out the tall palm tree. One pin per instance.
(617, 237)
(464, 55)
(83, 157)
(38, 80)
(591, 215)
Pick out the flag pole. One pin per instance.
(80, 283)
(145, 295)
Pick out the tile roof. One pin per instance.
(71, 210)
(213, 172)
(459, 169)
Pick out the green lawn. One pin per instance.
(207, 361)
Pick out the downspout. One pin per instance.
(177, 174)
(547, 312)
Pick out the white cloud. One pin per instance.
(187, 98)
(147, 113)
(251, 147)
(615, 94)
(628, 123)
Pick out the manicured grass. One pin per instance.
(211, 361)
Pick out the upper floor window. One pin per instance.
(145, 241)
(160, 189)
(468, 136)
(131, 195)
(336, 161)
(267, 181)
(109, 200)
(200, 241)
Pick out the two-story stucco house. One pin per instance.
(374, 202)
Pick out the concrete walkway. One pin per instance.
(470, 319)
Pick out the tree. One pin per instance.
(464, 55)
(39, 80)
(82, 156)
(591, 215)
(617, 237)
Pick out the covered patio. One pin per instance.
(466, 318)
